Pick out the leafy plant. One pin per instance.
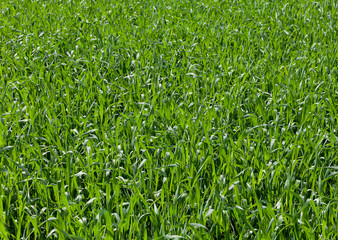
(168, 119)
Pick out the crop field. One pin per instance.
(168, 119)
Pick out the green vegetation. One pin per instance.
(168, 119)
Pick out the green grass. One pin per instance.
(168, 119)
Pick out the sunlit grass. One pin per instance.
(168, 119)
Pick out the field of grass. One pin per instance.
(170, 119)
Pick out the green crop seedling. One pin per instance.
(170, 119)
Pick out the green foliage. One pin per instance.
(168, 119)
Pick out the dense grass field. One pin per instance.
(169, 119)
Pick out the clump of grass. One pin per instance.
(168, 119)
